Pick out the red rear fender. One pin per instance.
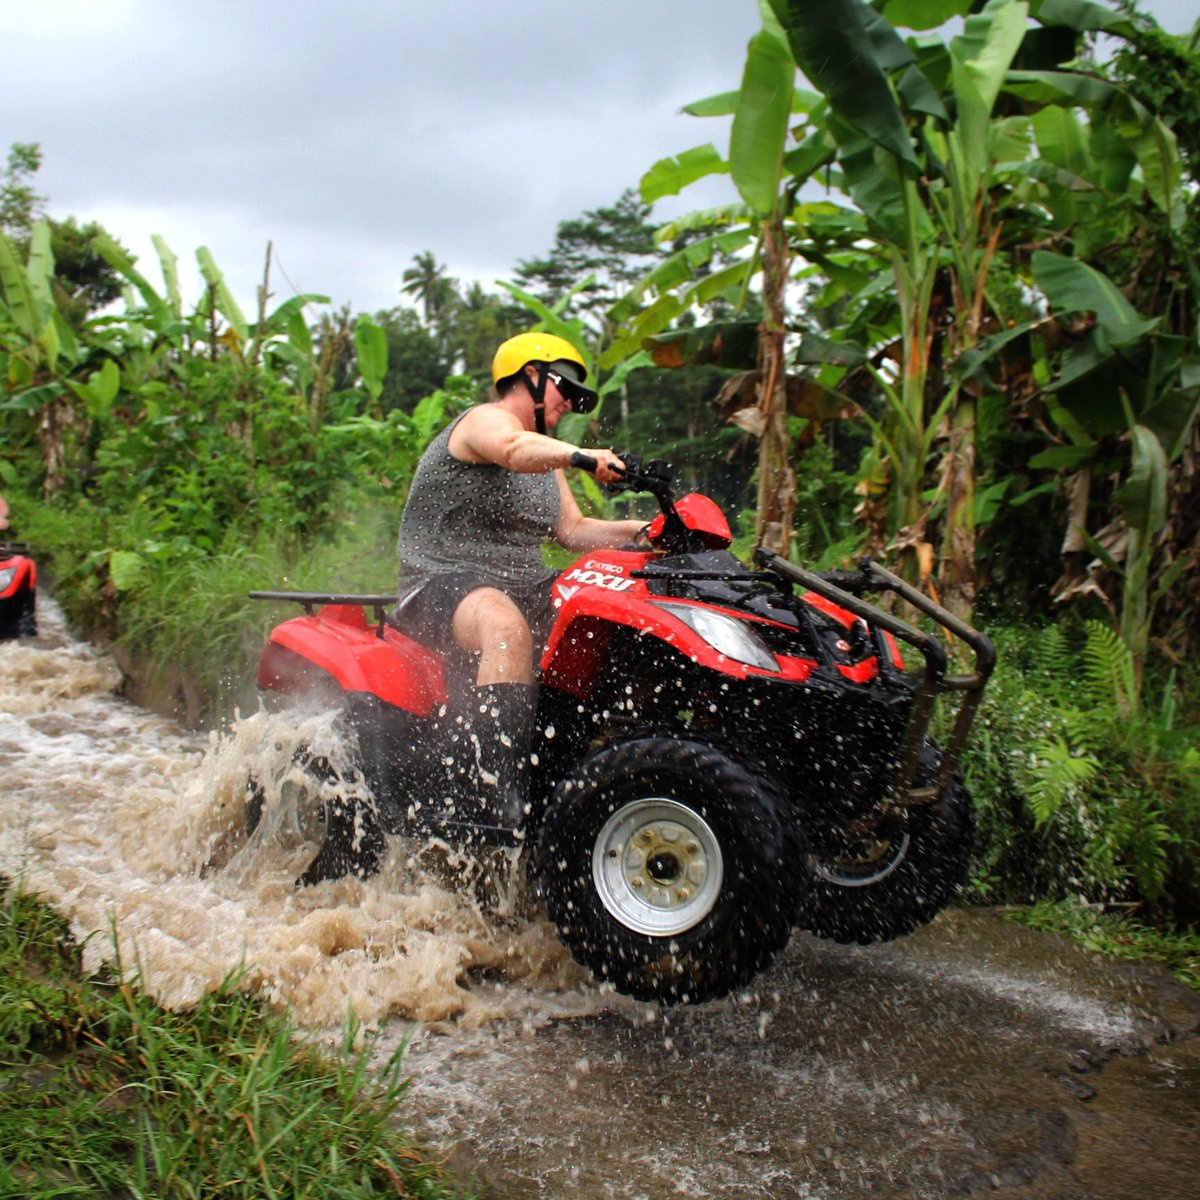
(337, 644)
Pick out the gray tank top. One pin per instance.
(475, 517)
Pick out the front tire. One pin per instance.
(879, 888)
(668, 869)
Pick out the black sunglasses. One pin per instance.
(580, 398)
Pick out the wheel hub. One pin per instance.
(871, 861)
(657, 866)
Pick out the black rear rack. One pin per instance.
(935, 682)
(309, 601)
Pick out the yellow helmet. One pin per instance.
(557, 356)
(533, 347)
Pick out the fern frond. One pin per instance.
(1060, 661)
(1108, 670)
(1057, 776)
(1085, 730)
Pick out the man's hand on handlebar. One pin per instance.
(604, 464)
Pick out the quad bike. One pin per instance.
(18, 591)
(718, 758)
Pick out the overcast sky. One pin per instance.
(353, 134)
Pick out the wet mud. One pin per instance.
(975, 1058)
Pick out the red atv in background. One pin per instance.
(18, 591)
(718, 757)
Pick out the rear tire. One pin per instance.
(668, 869)
(883, 888)
(312, 802)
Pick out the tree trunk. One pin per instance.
(776, 479)
(958, 542)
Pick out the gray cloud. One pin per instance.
(354, 135)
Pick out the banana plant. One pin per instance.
(917, 152)
(915, 136)
(371, 348)
(38, 347)
(1126, 377)
(769, 158)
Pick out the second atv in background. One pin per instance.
(18, 591)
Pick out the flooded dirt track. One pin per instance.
(976, 1058)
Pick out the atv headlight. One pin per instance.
(7, 574)
(726, 635)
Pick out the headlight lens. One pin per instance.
(7, 574)
(725, 635)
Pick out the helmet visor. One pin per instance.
(568, 378)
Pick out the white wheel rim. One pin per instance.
(657, 867)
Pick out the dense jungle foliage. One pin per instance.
(948, 317)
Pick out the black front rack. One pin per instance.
(935, 681)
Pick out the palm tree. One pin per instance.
(429, 284)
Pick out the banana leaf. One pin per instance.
(370, 344)
(227, 306)
(843, 47)
(1074, 287)
(169, 263)
(18, 295)
(731, 344)
(116, 256)
(669, 176)
(1143, 497)
(760, 124)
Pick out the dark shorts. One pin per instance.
(426, 612)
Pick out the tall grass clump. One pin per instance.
(171, 604)
(103, 1093)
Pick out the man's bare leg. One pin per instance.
(489, 624)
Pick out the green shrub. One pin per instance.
(1080, 790)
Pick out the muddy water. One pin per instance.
(117, 816)
(975, 1058)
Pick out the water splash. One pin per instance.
(119, 816)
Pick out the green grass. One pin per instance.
(1116, 933)
(104, 1094)
(175, 607)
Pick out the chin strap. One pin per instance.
(538, 392)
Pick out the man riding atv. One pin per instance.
(487, 493)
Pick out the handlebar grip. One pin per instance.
(585, 462)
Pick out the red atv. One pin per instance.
(717, 758)
(18, 591)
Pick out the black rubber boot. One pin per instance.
(501, 717)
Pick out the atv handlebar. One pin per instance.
(655, 477)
